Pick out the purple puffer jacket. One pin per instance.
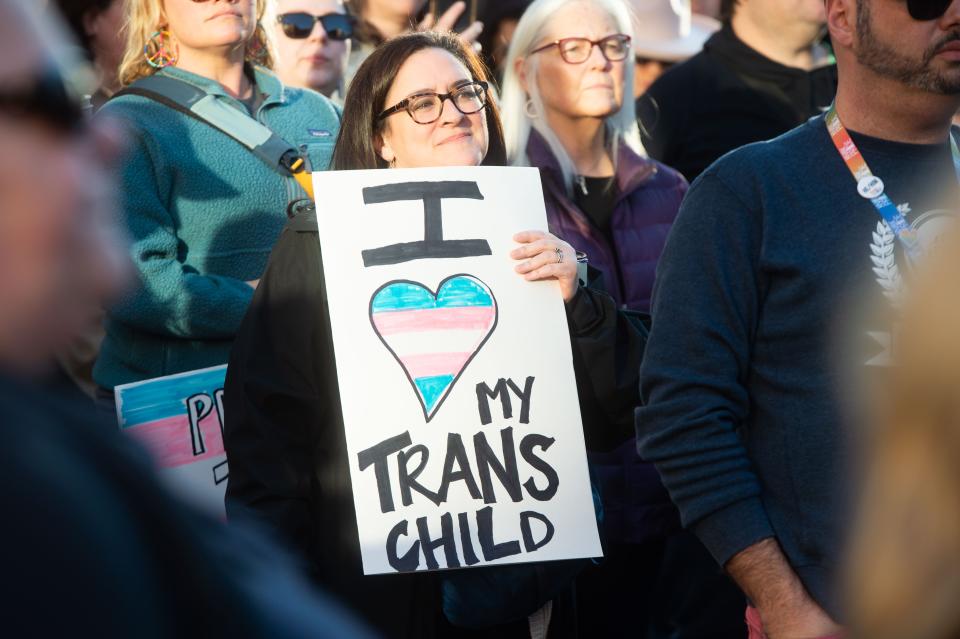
(650, 195)
(636, 506)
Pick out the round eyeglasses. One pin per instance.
(426, 108)
(577, 50)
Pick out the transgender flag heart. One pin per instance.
(434, 335)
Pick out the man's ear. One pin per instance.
(842, 22)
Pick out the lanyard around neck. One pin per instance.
(871, 187)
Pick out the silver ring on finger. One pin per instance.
(559, 252)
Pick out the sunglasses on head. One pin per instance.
(44, 98)
(925, 10)
(299, 25)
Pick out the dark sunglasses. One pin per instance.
(925, 10)
(299, 25)
(44, 98)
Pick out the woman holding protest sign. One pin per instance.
(284, 430)
(203, 199)
(568, 107)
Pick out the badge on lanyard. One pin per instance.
(870, 187)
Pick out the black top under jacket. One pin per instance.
(285, 439)
(726, 96)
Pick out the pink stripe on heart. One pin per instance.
(432, 364)
(169, 442)
(434, 319)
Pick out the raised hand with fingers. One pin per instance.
(447, 21)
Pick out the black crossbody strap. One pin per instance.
(182, 96)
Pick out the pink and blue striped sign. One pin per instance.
(434, 336)
(178, 418)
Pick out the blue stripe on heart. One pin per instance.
(412, 296)
(400, 310)
(432, 389)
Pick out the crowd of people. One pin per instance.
(764, 342)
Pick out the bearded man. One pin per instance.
(742, 396)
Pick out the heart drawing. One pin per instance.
(434, 336)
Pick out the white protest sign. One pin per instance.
(456, 375)
(179, 419)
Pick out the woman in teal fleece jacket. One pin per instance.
(202, 211)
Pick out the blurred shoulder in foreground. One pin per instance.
(90, 542)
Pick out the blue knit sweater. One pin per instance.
(203, 213)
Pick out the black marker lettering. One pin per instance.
(198, 407)
(507, 472)
(408, 479)
(502, 390)
(377, 455)
(529, 544)
(433, 244)
(457, 454)
(527, 445)
(221, 473)
(484, 394)
(446, 540)
(524, 396)
(492, 550)
(218, 402)
(469, 556)
(411, 559)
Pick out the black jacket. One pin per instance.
(285, 440)
(91, 544)
(726, 96)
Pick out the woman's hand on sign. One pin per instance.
(546, 257)
(449, 18)
(253, 283)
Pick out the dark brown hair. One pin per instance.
(356, 144)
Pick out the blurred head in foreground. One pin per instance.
(904, 574)
(58, 248)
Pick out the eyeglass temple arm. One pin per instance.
(396, 108)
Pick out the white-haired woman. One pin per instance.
(568, 110)
(202, 210)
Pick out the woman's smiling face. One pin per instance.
(454, 139)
